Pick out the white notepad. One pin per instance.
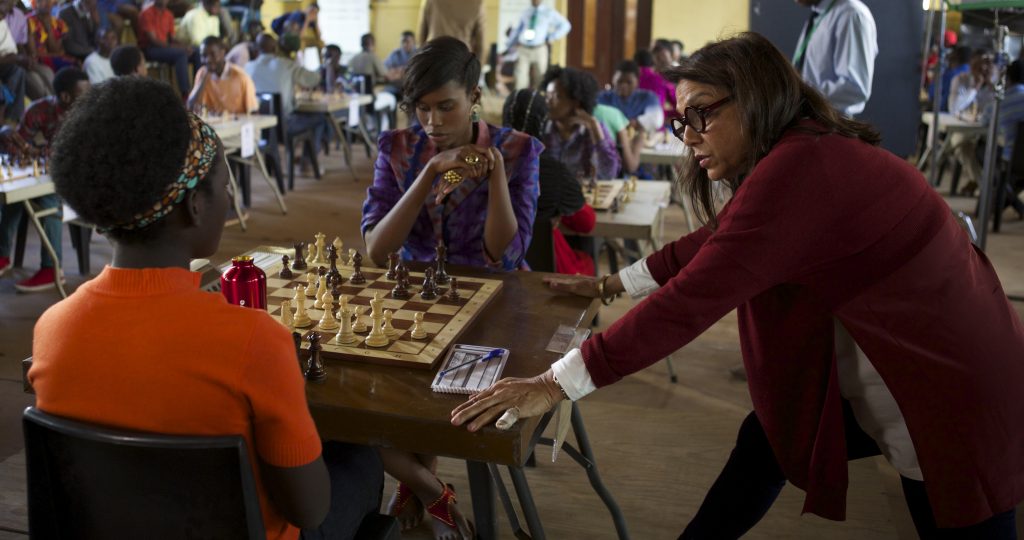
(474, 375)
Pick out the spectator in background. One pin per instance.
(366, 62)
(331, 71)
(677, 52)
(221, 87)
(81, 20)
(12, 74)
(538, 27)
(1011, 113)
(572, 134)
(38, 77)
(47, 35)
(114, 13)
(127, 61)
(836, 52)
(640, 106)
(246, 50)
(97, 65)
(157, 41)
(201, 22)
(649, 79)
(462, 19)
(396, 61)
(39, 127)
(301, 23)
(970, 93)
(958, 62)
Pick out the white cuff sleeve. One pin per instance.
(637, 279)
(573, 376)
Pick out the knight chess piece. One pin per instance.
(417, 326)
(311, 252)
(287, 317)
(441, 276)
(453, 290)
(357, 277)
(392, 263)
(299, 263)
(315, 365)
(321, 291)
(301, 319)
(429, 290)
(286, 272)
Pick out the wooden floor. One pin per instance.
(658, 445)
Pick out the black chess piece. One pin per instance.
(299, 263)
(336, 294)
(401, 288)
(441, 276)
(333, 275)
(615, 206)
(286, 272)
(315, 365)
(297, 340)
(453, 290)
(357, 277)
(392, 264)
(429, 291)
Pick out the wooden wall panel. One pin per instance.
(595, 46)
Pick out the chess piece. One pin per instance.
(328, 322)
(337, 243)
(321, 291)
(417, 326)
(334, 278)
(389, 328)
(357, 276)
(315, 366)
(297, 342)
(392, 263)
(321, 253)
(351, 256)
(311, 280)
(287, 317)
(335, 297)
(346, 336)
(286, 272)
(377, 337)
(615, 206)
(301, 319)
(401, 289)
(300, 258)
(358, 326)
(441, 276)
(453, 290)
(35, 167)
(311, 252)
(429, 291)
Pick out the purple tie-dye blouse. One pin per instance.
(459, 222)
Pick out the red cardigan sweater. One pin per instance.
(827, 226)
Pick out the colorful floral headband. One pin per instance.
(202, 150)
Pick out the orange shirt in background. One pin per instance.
(147, 350)
(233, 93)
(156, 20)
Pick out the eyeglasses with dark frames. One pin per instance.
(696, 118)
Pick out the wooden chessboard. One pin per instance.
(607, 192)
(444, 320)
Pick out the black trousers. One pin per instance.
(752, 480)
(357, 485)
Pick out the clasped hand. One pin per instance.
(460, 160)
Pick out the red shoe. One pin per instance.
(44, 279)
(5, 265)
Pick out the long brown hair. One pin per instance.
(771, 97)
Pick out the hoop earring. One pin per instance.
(474, 114)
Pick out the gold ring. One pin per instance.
(471, 159)
(452, 177)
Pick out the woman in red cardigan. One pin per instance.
(868, 321)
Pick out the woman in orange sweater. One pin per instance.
(141, 347)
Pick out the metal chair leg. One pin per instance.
(57, 267)
(271, 182)
(671, 370)
(235, 199)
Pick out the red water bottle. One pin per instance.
(244, 284)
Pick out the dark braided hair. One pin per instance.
(118, 149)
(526, 111)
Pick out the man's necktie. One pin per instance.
(802, 54)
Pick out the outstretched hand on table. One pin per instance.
(533, 397)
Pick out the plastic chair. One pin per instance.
(88, 481)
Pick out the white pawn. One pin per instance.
(328, 322)
(311, 284)
(337, 243)
(346, 336)
(301, 319)
(351, 256)
(389, 330)
(321, 293)
(358, 326)
(287, 317)
(311, 252)
(417, 326)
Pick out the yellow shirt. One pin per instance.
(198, 25)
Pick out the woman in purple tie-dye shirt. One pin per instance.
(484, 219)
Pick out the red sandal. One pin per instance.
(402, 497)
(440, 509)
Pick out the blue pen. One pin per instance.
(495, 353)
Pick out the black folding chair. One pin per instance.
(270, 103)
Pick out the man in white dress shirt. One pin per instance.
(538, 27)
(836, 52)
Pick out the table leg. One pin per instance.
(583, 441)
(481, 490)
(270, 181)
(235, 198)
(526, 502)
(58, 271)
